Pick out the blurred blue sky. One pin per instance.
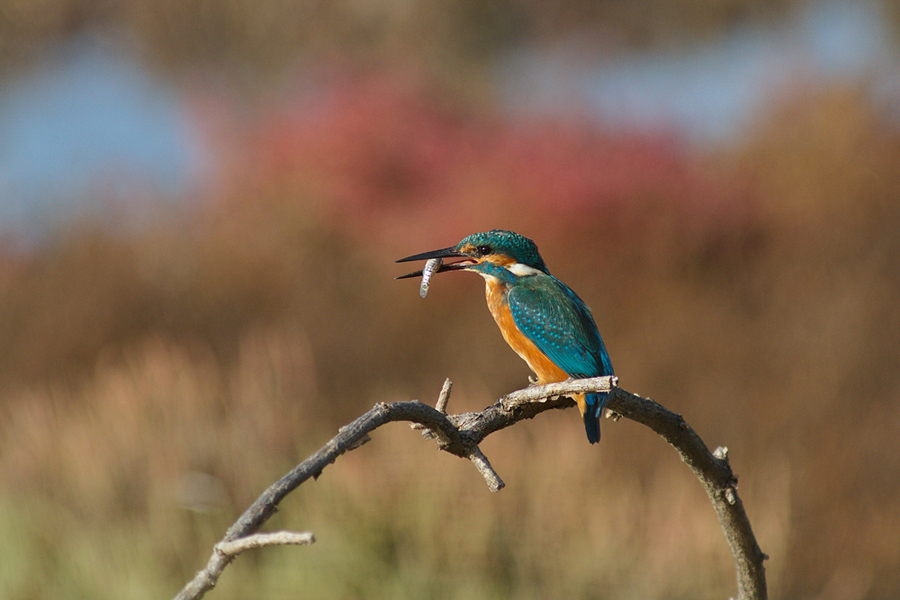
(92, 128)
(708, 93)
(87, 129)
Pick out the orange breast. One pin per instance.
(546, 370)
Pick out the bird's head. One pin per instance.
(494, 253)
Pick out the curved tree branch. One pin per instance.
(460, 435)
(720, 483)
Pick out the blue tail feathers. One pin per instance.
(595, 403)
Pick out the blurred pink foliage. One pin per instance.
(392, 155)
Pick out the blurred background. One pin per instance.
(200, 206)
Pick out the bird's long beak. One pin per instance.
(450, 252)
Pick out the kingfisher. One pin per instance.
(540, 317)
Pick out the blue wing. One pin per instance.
(553, 317)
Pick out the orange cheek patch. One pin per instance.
(497, 259)
(500, 260)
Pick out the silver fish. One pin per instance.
(428, 272)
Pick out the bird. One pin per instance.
(540, 317)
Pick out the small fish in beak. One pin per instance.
(428, 272)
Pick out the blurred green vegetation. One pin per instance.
(154, 382)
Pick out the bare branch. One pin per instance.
(440, 406)
(495, 484)
(720, 483)
(460, 435)
(572, 386)
(444, 396)
(258, 540)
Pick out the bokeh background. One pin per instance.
(200, 206)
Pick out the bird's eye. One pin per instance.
(484, 250)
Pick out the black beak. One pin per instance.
(450, 252)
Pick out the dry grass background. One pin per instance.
(154, 383)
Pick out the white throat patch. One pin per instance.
(520, 270)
